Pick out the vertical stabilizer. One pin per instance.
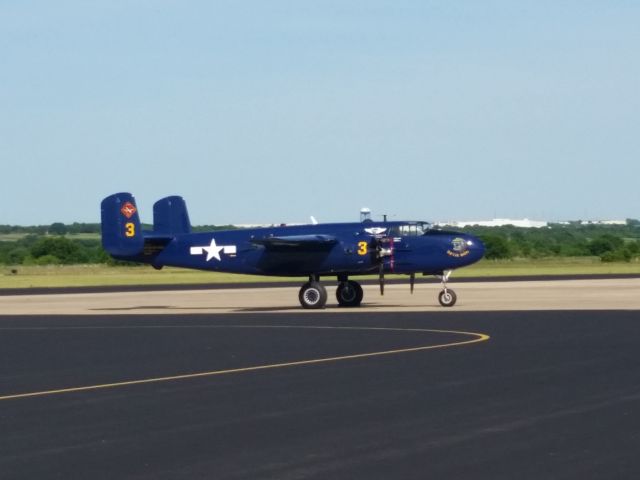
(121, 229)
(170, 216)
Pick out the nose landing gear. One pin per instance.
(446, 297)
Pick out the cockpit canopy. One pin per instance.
(410, 229)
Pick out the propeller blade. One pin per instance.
(412, 281)
(381, 275)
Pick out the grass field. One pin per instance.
(97, 275)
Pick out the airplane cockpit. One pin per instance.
(410, 229)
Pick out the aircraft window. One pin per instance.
(410, 229)
(423, 228)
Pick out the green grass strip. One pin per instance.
(101, 275)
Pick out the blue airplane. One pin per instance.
(336, 250)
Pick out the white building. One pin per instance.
(497, 222)
(603, 222)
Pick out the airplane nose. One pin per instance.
(476, 246)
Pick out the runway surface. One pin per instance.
(600, 294)
(334, 394)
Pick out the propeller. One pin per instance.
(384, 248)
(412, 281)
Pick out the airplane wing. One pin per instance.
(297, 242)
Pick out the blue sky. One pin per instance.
(260, 112)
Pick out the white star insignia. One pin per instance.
(213, 250)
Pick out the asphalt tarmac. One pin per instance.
(429, 280)
(369, 395)
(607, 294)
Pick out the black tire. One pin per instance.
(312, 295)
(447, 298)
(349, 294)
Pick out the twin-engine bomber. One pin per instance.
(338, 250)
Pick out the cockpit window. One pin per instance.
(408, 230)
(411, 229)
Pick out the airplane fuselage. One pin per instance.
(409, 247)
(340, 250)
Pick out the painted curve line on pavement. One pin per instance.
(478, 338)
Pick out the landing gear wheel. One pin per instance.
(349, 294)
(447, 298)
(312, 295)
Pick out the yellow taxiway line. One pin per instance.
(478, 337)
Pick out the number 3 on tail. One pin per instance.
(130, 230)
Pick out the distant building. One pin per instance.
(259, 225)
(496, 222)
(603, 222)
(365, 215)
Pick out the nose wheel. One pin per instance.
(446, 297)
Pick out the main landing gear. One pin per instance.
(313, 295)
(349, 294)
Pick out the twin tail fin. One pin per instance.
(122, 234)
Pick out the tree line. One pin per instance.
(55, 243)
(35, 249)
(58, 228)
(611, 243)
